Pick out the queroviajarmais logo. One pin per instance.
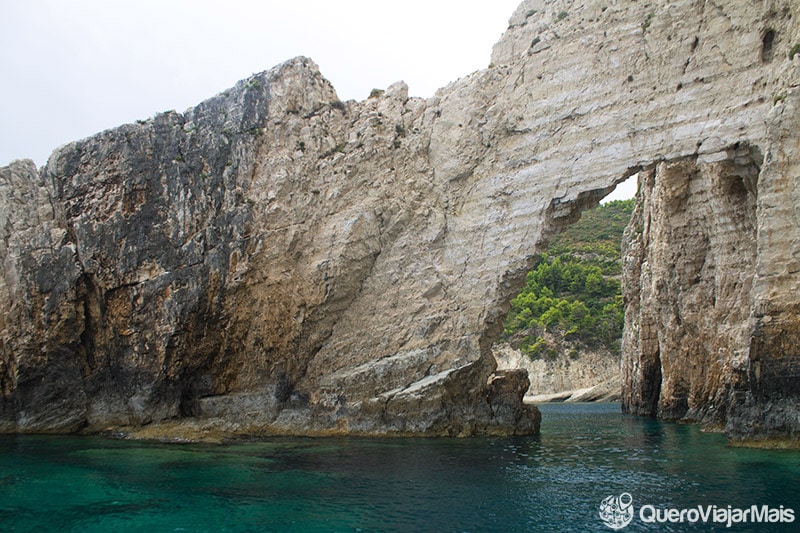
(617, 511)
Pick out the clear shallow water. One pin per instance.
(554, 482)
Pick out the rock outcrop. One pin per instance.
(277, 260)
(712, 279)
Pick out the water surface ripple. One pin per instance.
(554, 482)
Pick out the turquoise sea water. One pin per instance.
(554, 482)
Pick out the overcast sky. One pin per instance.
(72, 68)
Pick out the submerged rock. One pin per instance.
(287, 262)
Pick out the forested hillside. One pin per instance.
(573, 293)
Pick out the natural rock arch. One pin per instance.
(277, 260)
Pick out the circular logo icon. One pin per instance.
(617, 511)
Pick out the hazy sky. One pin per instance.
(72, 68)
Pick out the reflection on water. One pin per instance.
(554, 482)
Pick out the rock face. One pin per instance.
(712, 279)
(277, 260)
(271, 260)
(559, 378)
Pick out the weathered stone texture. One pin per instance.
(689, 271)
(559, 377)
(277, 260)
(711, 287)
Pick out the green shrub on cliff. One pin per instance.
(573, 292)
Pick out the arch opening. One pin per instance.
(565, 325)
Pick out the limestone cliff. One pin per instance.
(712, 279)
(277, 260)
(573, 375)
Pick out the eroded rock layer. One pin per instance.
(277, 260)
(711, 283)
